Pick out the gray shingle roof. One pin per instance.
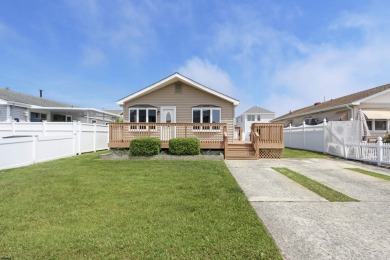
(344, 100)
(258, 110)
(10, 95)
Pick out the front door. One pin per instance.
(168, 115)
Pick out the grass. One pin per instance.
(319, 188)
(374, 174)
(83, 207)
(296, 153)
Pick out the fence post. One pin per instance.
(345, 150)
(304, 135)
(79, 137)
(74, 131)
(94, 137)
(324, 135)
(379, 151)
(289, 133)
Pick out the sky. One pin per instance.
(279, 55)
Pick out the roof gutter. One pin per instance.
(318, 111)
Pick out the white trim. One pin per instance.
(147, 113)
(211, 113)
(370, 97)
(168, 107)
(172, 79)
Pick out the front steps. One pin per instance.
(240, 151)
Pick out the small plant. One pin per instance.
(386, 138)
(184, 146)
(145, 146)
(118, 120)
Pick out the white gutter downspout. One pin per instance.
(352, 112)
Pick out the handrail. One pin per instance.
(255, 143)
(225, 144)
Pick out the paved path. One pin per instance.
(304, 225)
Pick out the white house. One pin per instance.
(20, 107)
(252, 115)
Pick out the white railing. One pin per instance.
(322, 138)
(28, 143)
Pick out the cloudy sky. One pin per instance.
(280, 55)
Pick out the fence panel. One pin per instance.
(16, 152)
(48, 141)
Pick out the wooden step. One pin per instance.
(241, 151)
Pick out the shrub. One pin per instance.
(386, 138)
(145, 146)
(184, 146)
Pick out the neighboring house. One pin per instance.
(374, 102)
(15, 106)
(178, 99)
(253, 115)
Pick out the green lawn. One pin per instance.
(83, 207)
(319, 188)
(374, 174)
(296, 153)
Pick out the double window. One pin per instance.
(379, 125)
(142, 115)
(206, 115)
(37, 117)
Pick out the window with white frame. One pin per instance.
(206, 115)
(258, 117)
(142, 115)
(377, 125)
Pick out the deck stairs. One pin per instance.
(241, 151)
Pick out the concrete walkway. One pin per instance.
(306, 226)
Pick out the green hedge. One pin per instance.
(145, 146)
(184, 146)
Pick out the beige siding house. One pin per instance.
(178, 99)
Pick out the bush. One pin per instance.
(145, 146)
(386, 138)
(184, 146)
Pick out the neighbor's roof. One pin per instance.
(352, 99)
(12, 96)
(172, 79)
(115, 111)
(258, 110)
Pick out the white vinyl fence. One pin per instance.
(23, 144)
(339, 138)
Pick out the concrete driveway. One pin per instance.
(306, 226)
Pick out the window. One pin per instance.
(369, 124)
(250, 117)
(37, 117)
(93, 121)
(206, 115)
(380, 125)
(142, 115)
(258, 117)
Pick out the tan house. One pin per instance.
(374, 102)
(177, 106)
(178, 99)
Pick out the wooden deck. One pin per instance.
(266, 139)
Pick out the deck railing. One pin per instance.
(270, 136)
(210, 135)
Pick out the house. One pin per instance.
(20, 107)
(178, 99)
(254, 114)
(177, 106)
(374, 103)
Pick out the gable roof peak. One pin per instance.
(170, 80)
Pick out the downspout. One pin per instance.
(352, 112)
